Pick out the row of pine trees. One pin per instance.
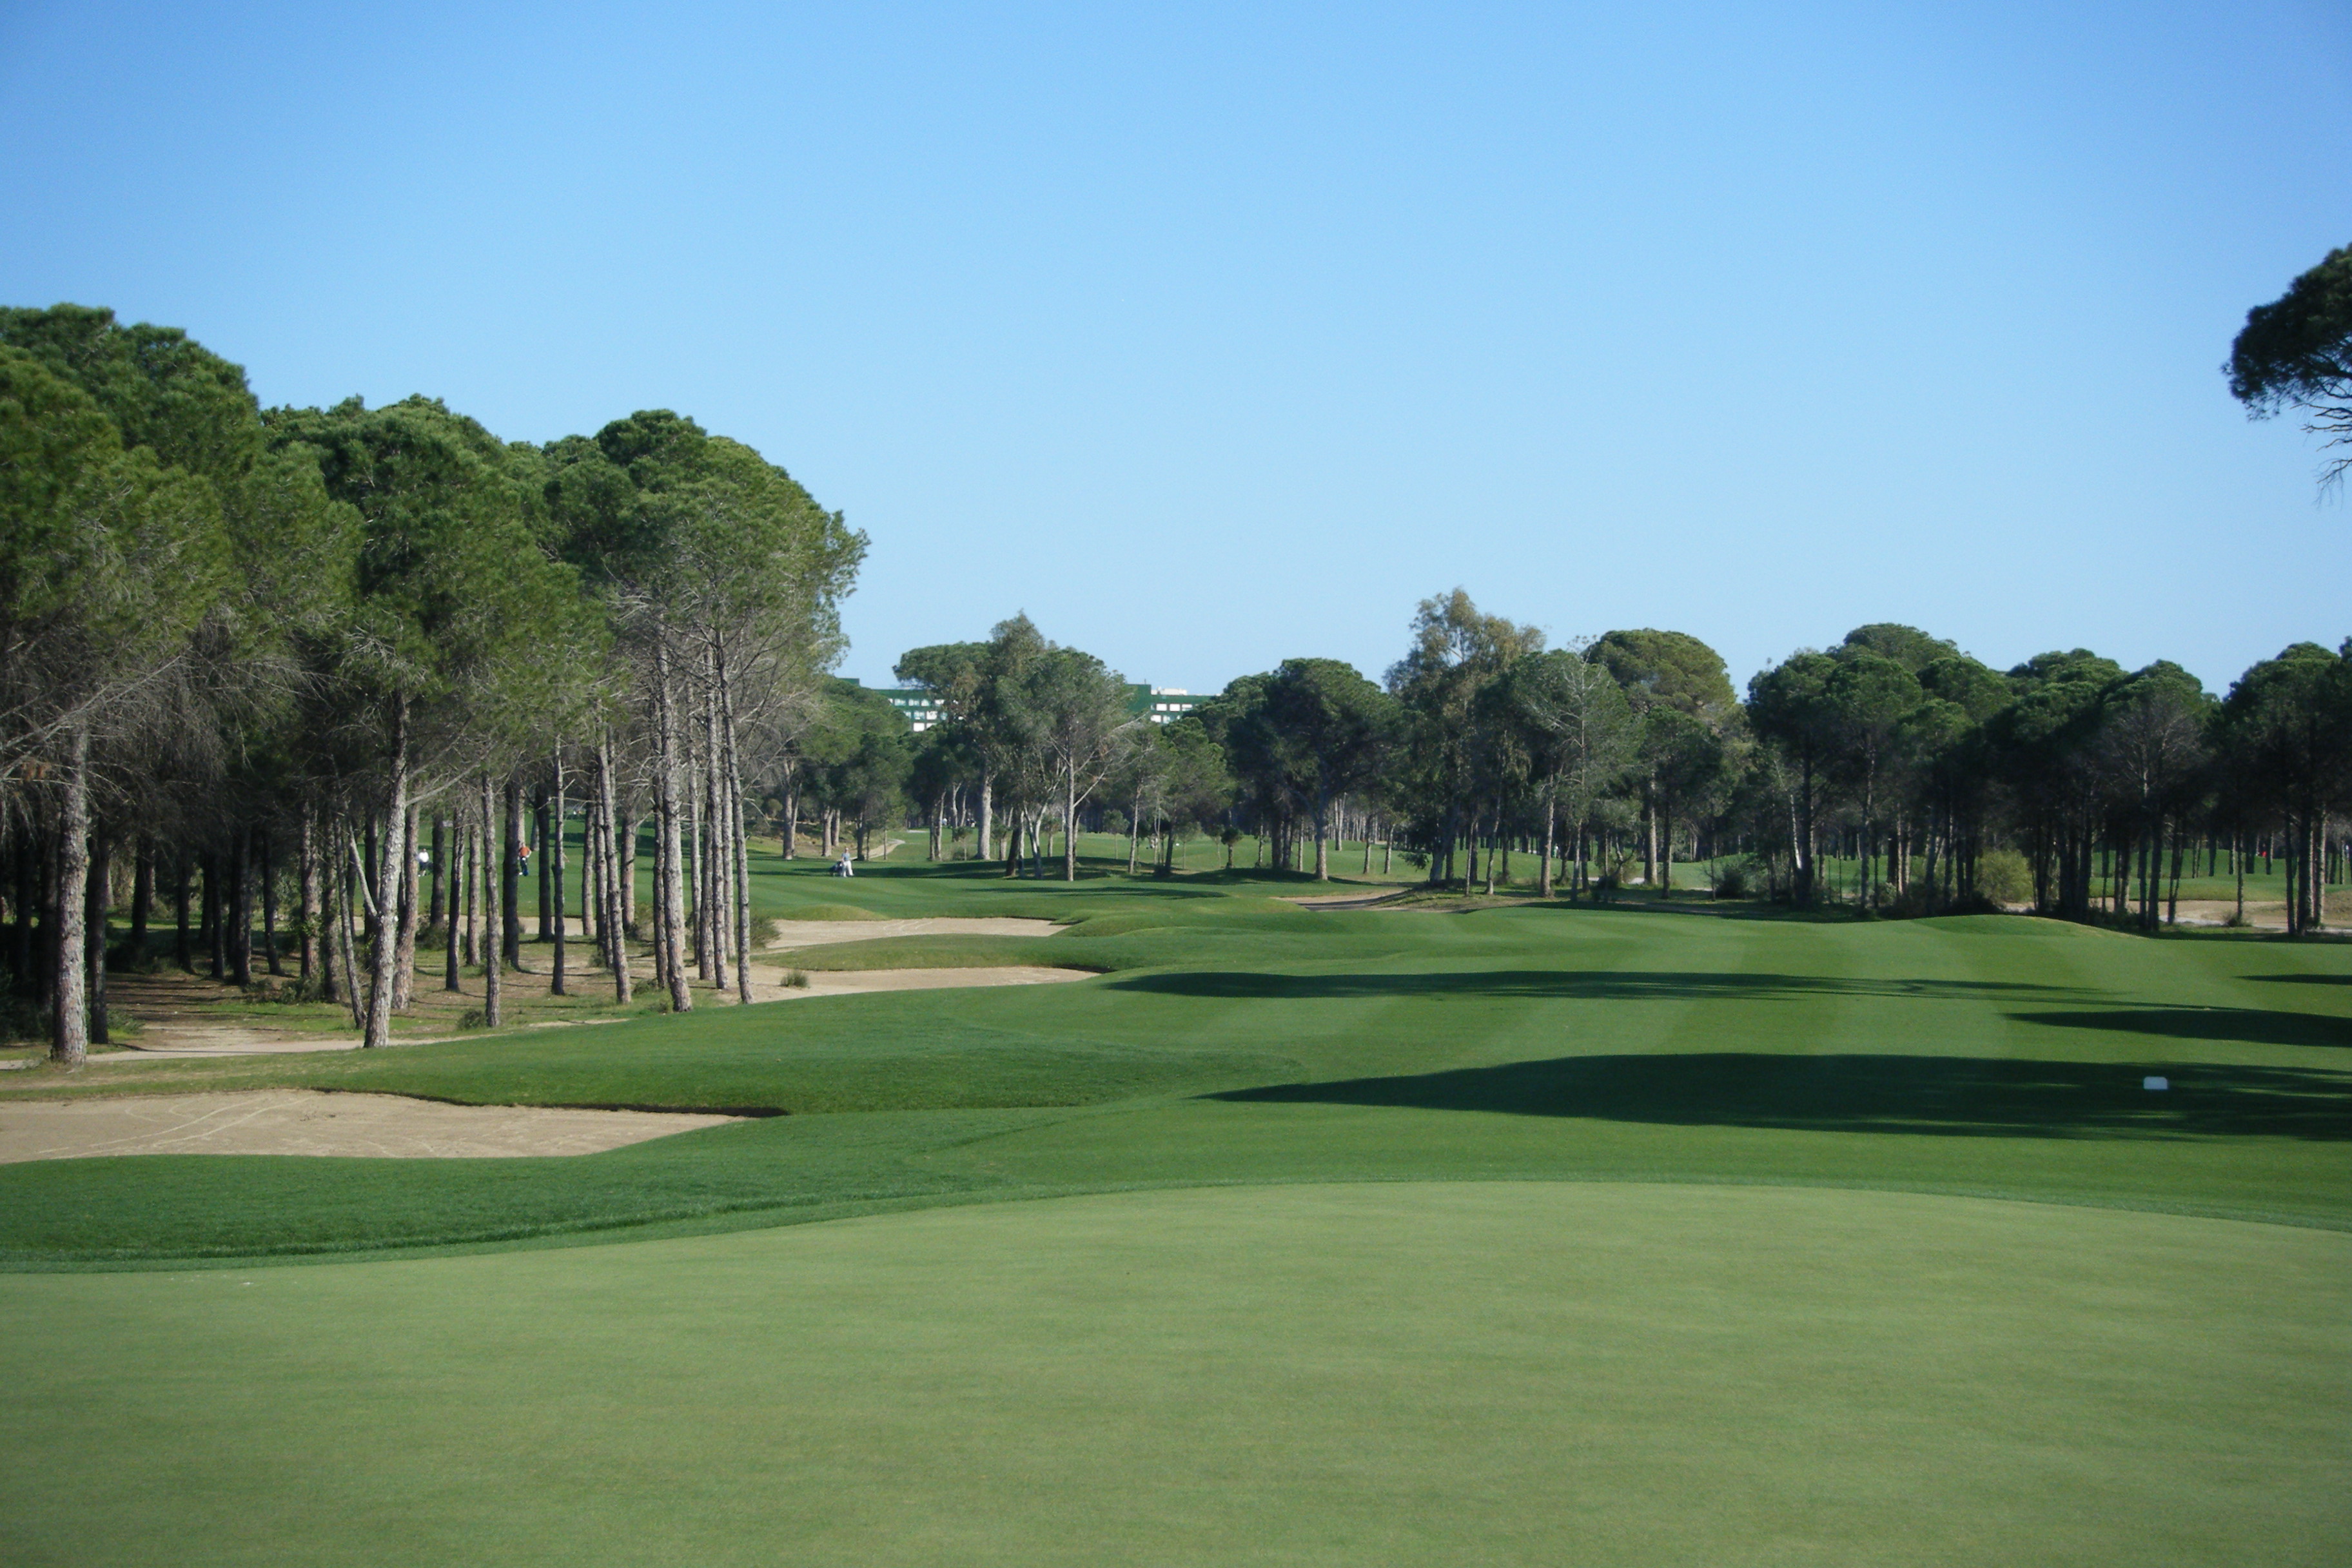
(1893, 754)
(353, 656)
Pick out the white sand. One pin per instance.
(854, 982)
(303, 1121)
(816, 933)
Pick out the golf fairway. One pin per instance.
(1457, 1372)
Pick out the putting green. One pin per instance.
(1474, 1373)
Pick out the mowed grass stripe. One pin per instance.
(1456, 1374)
(1237, 1042)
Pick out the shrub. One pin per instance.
(2004, 877)
(1731, 880)
(474, 1018)
(796, 979)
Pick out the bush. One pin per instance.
(474, 1018)
(1731, 880)
(766, 932)
(2004, 877)
(796, 979)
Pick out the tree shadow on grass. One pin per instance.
(2300, 979)
(2249, 1026)
(1952, 1096)
(1590, 985)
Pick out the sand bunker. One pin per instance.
(302, 1122)
(852, 982)
(816, 933)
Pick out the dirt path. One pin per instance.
(302, 1122)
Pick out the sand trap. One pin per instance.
(302, 1121)
(816, 933)
(852, 982)
(1342, 900)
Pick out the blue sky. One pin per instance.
(1212, 335)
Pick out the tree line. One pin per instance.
(357, 660)
(1938, 782)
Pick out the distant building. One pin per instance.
(1158, 703)
(917, 703)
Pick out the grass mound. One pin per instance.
(828, 912)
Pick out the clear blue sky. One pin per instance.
(1210, 335)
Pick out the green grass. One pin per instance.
(1231, 1037)
(1491, 1374)
(1517, 1233)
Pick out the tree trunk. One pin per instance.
(628, 870)
(239, 909)
(546, 893)
(493, 976)
(619, 893)
(472, 867)
(318, 894)
(385, 950)
(1322, 836)
(404, 965)
(215, 925)
(449, 913)
(270, 901)
(510, 865)
(2238, 854)
(591, 909)
(438, 911)
(719, 875)
(738, 838)
(183, 953)
(669, 912)
(93, 955)
(551, 874)
(987, 815)
(142, 897)
(698, 910)
(340, 913)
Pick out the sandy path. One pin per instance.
(176, 1011)
(857, 982)
(816, 933)
(302, 1121)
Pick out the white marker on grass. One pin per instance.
(2153, 1082)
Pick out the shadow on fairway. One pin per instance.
(2251, 1026)
(1960, 1095)
(2300, 979)
(1597, 984)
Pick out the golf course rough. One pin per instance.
(1430, 1374)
